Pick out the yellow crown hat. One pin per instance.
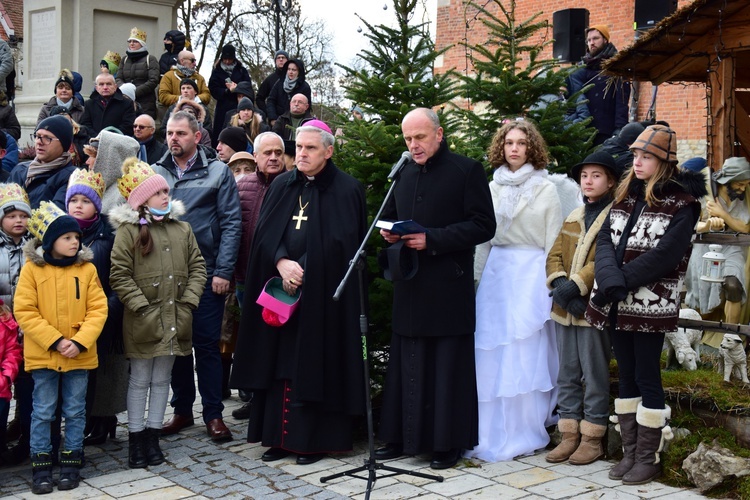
(49, 222)
(113, 57)
(13, 197)
(137, 35)
(89, 184)
(139, 182)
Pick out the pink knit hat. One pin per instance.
(139, 182)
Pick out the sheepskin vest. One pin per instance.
(653, 307)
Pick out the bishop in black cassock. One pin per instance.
(306, 375)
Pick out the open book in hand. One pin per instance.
(401, 227)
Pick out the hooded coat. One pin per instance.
(55, 302)
(642, 254)
(169, 57)
(278, 99)
(159, 290)
(226, 100)
(11, 355)
(265, 88)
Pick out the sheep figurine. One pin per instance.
(733, 360)
(683, 346)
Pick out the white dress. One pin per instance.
(516, 350)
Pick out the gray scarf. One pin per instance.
(228, 67)
(289, 84)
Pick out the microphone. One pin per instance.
(405, 158)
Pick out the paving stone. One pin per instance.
(458, 485)
(121, 477)
(564, 487)
(528, 477)
(606, 495)
(305, 491)
(650, 490)
(581, 470)
(496, 491)
(491, 470)
(394, 491)
(138, 486)
(172, 492)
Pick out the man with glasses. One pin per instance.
(280, 59)
(171, 82)
(107, 107)
(151, 149)
(45, 178)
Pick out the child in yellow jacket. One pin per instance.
(61, 308)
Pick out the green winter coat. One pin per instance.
(159, 291)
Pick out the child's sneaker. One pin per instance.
(70, 470)
(41, 467)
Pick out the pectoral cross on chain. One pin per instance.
(300, 217)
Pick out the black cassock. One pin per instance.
(307, 374)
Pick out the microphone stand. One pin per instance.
(371, 465)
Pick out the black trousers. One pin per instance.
(638, 360)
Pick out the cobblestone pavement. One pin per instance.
(197, 468)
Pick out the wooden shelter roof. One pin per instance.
(682, 47)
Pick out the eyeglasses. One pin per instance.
(191, 60)
(141, 127)
(44, 139)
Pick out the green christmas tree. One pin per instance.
(397, 76)
(512, 79)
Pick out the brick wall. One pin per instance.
(683, 106)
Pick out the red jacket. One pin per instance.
(11, 354)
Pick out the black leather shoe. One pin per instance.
(445, 459)
(309, 458)
(273, 454)
(242, 413)
(391, 450)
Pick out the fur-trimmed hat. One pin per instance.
(89, 184)
(13, 197)
(139, 182)
(60, 127)
(658, 140)
(66, 77)
(734, 169)
(199, 110)
(49, 222)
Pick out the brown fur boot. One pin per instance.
(625, 409)
(653, 434)
(591, 448)
(570, 439)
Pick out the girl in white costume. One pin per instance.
(516, 352)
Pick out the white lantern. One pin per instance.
(713, 265)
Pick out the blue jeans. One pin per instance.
(46, 384)
(206, 333)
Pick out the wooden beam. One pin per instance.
(731, 37)
(742, 129)
(721, 108)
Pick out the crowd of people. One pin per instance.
(119, 252)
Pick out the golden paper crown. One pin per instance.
(42, 217)
(134, 172)
(136, 34)
(13, 193)
(85, 177)
(112, 57)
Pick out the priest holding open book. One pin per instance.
(430, 397)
